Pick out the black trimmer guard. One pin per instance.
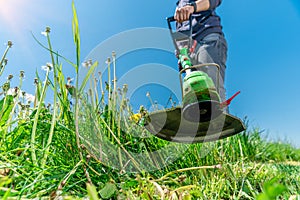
(170, 125)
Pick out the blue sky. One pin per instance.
(263, 58)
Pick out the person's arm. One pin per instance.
(183, 14)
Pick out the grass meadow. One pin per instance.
(84, 145)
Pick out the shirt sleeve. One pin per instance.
(214, 3)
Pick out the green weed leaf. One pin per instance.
(263, 196)
(129, 184)
(92, 192)
(272, 189)
(108, 191)
(6, 106)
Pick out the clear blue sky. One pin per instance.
(263, 58)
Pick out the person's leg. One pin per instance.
(213, 49)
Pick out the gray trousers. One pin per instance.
(213, 49)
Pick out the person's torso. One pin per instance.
(203, 23)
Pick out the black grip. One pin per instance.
(172, 19)
(169, 20)
(189, 32)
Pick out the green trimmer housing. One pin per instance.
(200, 98)
(201, 117)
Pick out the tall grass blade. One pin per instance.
(88, 76)
(55, 94)
(76, 36)
(55, 53)
(36, 117)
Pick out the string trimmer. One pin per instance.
(201, 117)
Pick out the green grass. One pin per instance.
(92, 149)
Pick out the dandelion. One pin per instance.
(35, 81)
(29, 97)
(10, 77)
(107, 61)
(16, 89)
(84, 64)
(23, 107)
(125, 88)
(9, 43)
(87, 63)
(46, 82)
(90, 62)
(11, 91)
(70, 80)
(47, 29)
(148, 94)
(120, 91)
(48, 106)
(47, 67)
(46, 32)
(5, 87)
(44, 67)
(22, 74)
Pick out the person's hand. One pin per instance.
(183, 14)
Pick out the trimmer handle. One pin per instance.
(180, 35)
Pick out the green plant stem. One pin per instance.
(110, 106)
(121, 146)
(2, 59)
(36, 117)
(119, 131)
(76, 37)
(115, 94)
(188, 169)
(72, 172)
(16, 169)
(53, 121)
(114, 80)
(101, 88)
(13, 109)
(95, 90)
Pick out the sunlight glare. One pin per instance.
(11, 13)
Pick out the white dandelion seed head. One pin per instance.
(44, 33)
(84, 64)
(87, 63)
(44, 67)
(11, 91)
(29, 97)
(47, 67)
